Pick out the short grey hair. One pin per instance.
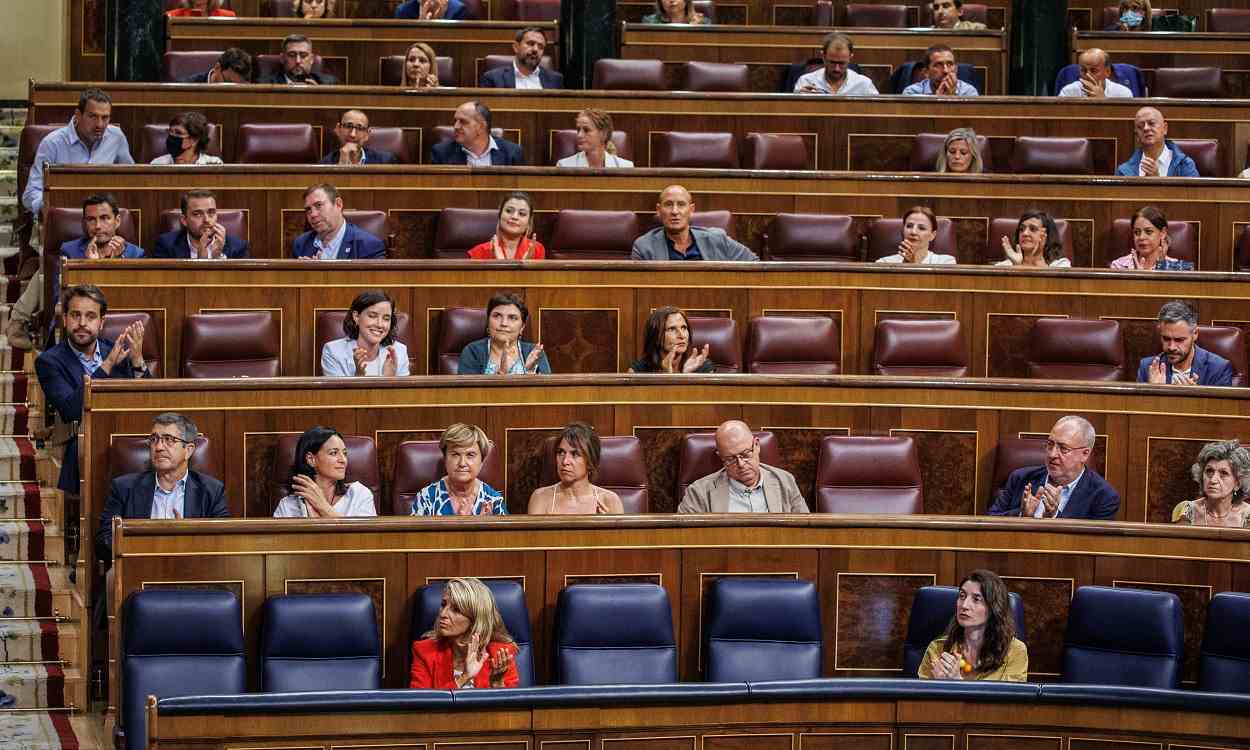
(184, 425)
(1088, 434)
(1236, 456)
(1176, 312)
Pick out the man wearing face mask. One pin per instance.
(298, 59)
(202, 236)
(184, 145)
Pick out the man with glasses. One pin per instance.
(298, 60)
(353, 132)
(744, 485)
(1064, 487)
(836, 77)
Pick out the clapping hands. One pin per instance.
(1047, 496)
(1012, 252)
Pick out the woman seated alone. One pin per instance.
(577, 462)
(317, 483)
(1150, 244)
(959, 153)
(1222, 472)
(420, 67)
(980, 643)
(675, 11)
(368, 346)
(192, 8)
(514, 233)
(503, 352)
(1037, 243)
(460, 492)
(919, 231)
(1135, 15)
(184, 145)
(666, 345)
(594, 142)
(313, 8)
(468, 647)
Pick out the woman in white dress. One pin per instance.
(919, 231)
(317, 485)
(369, 346)
(595, 148)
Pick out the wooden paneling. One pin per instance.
(1087, 14)
(1151, 50)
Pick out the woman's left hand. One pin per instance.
(531, 362)
(312, 495)
(947, 667)
(499, 667)
(696, 358)
(391, 365)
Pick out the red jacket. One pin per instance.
(483, 251)
(192, 13)
(432, 665)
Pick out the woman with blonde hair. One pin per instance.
(959, 153)
(595, 148)
(420, 67)
(313, 8)
(469, 646)
(459, 492)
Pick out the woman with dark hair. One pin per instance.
(676, 11)
(420, 67)
(193, 8)
(1150, 244)
(1036, 243)
(1222, 471)
(1135, 15)
(980, 643)
(514, 232)
(666, 345)
(502, 352)
(916, 245)
(313, 8)
(577, 463)
(188, 138)
(317, 484)
(368, 346)
(469, 646)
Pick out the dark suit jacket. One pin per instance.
(1093, 499)
(456, 10)
(357, 244)
(197, 78)
(371, 157)
(279, 79)
(507, 155)
(1211, 368)
(504, 77)
(174, 245)
(130, 496)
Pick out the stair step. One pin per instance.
(8, 208)
(8, 157)
(8, 181)
(31, 686)
(13, 115)
(31, 541)
(48, 730)
(9, 135)
(31, 641)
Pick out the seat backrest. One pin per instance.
(277, 143)
(509, 598)
(115, 323)
(178, 642)
(1189, 83)
(1228, 20)
(1182, 240)
(628, 75)
(419, 463)
(1098, 649)
(885, 235)
(713, 76)
(1206, 155)
(931, 613)
(774, 151)
(671, 148)
(310, 641)
(528, 10)
(1225, 663)
(816, 237)
(329, 326)
(872, 15)
(698, 457)
(65, 224)
(362, 466)
(460, 229)
(460, 326)
(762, 629)
(376, 223)
(1242, 250)
(718, 219)
(1012, 454)
(1001, 227)
(721, 337)
(152, 141)
(1033, 155)
(232, 219)
(177, 65)
(919, 347)
(27, 145)
(231, 345)
(564, 144)
(925, 148)
(391, 70)
(614, 634)
(398, 142)
(1230, 343)
(1077, 349)
(798, 344)
(129, 454)
(621, 469)
(859, 474)
(593, 235)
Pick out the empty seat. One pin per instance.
(509, 598)
(564, 143)
(231, 345)
(152, 141)
(1001, 227)
(115, 323)
(920, 347)
(712, 76)
(1010, 455)
(65, 224)
(1098, 647)
(1076, 349)
(1052, 156)
(931, 612)
(797, 344)
(129, 454)
(233, 220)
(816, 237)
(884, 236)
(721, 337)
(460, 326)
(698, 458)
(621, 469)
(614, 634)
(398, 141)
(762, 629)
(873, 15)
(593, 235)
(1206, 155)
(391, 70)
(27, 145)
(1225, 664)
(419, 462)
(925, 148)
(672, 148)
(1182, 240)
(775, 151)
(868, 475)
(629, 75)
(459, 229)
(1189, 83)
(278, 143)
(311, 642)
(722, 220)
(362, 466)
(180, 64)
(530, 10)
(329, 326)
(1228, 20)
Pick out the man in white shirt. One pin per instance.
(836, 78)
(526, 70)
(1095, 81)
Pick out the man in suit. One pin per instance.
(1064, 487)
(332, 237)
(297, 65)
(526, 70)
(353, 132)
(745, 485)
(234, 66)
(473, 145)
(82, 352)
(433, 10)
(101, 218)
(676, 239)
(1182, 361)
(201, 236)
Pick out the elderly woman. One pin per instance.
(514, 232)
(919, 231)
(666, 345)
(675, 11)
(460, 492)
(192, 8)
(959, 153)
(1036, 243)
(1222, 472)
(420, 67)
(595, 148)
(1135, 15)
(185, 144)
(368, 346)
(980, 642)
(469, 646)
(1150, 244)
(503, 352)
(577, 462)
(317, 484)
(313, 8)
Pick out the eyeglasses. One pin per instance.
(353, 126)
(1063, 449)
(740, 458)
(168, 441)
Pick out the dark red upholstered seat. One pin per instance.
(1012, 454)
(920, 347)
(671, 148)
(362, 466)
(419, 462)
(405, 144)
(817, 237)
(721, 336)
(1242, 250)
(593, 235)
(1189, 83)
(278, 143)
(1077, 349)
(868, 475)
(1182, 240)
(27, 144)
(460, 229)
(1227, 341)
(1228, 20)
(129, 454)
(180, 64)
(231, 345)
(713, 76)
(117, 321)
(621, 469)
(1033, 155)
(329, 326)
(629, 75)
(872, 15)
(802, 344)
(925, 148)
(774, 151)
(720, 219)
(527, 10)
(1206, 155)
(698, 457)
(375, 223)
(460, 326)
(884, 236)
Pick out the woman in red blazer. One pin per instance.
(469, 647)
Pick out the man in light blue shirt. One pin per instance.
(942, 80)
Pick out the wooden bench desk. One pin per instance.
(1167, 49)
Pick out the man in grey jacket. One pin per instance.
(744, 485)
(675, 239)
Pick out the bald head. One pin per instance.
(674, 209)
(739, 451)
(1151, 129)
(1093, 58)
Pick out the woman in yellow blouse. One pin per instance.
(980, 643)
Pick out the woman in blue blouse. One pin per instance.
(460, 492)
(503, 352)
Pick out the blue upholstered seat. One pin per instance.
(762, 629)
(615, 634)
(509, 597)
(1225, 665)
(315, 642)
(1124, 636)
(931, 611)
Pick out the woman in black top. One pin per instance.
(666, 345)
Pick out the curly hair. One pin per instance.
(1000, 625)
(1236, 456)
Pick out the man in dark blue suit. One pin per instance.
(234, 66)
(201, 236)
(433, 10)
(1064, 487)
(526, 71)
(1182, 361)
(333, 237)
(353, 132)
(472, 143)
